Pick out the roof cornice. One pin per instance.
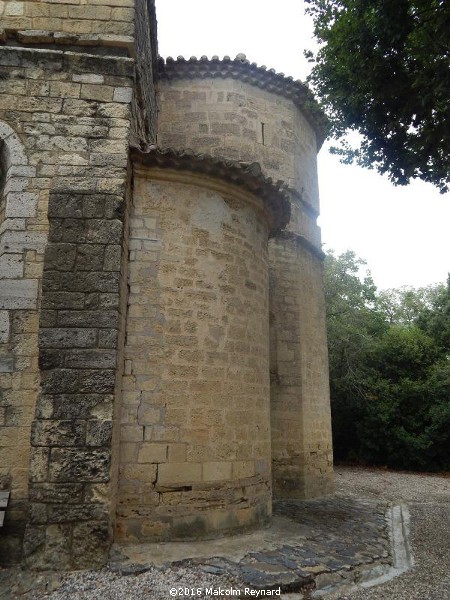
(247, 176)
(242, 69)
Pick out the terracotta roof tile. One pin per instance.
(248, 176)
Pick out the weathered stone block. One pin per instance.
(18, 293)
(101, 381)
(91, 544)
(67, 231)
(51, 280)
(101, 231)
(11, 266)
(56, 493)
(58, 337)
(68, 464)
(123, 94)
(90, 282)
(108, 338)
(64, 89)
(65, 206)
(37, 514)
(90, 257)
(48, 318)
(145, 473)
(21, 204)
(112, 258)
(59, 381)
(48, 547)
(6, 364)
(153, 453)
(34, 538)
(58, 433)
(98, 432)
(63, 300)
(76, 513)
(39, 464)
(99, 92)
(114, 207)
(4, 326)
(60, 257)
(81, 406)
(175, 473)
(90, 359)
(89, 318)
(94, 206)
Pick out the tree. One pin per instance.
(389, 369)
(383, 70)
(435, 317)
(407, 304)
(352, 323)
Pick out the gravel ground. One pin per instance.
(427, 496)
(428, 499)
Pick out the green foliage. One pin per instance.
(389, 369)
(383, 70)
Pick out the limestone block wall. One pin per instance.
(62, 19)
(210, 107)
(106, 27)
(301, 420)
(195, 433)
(236, 110)
(23, 226)
(65, 123)
(235, 120)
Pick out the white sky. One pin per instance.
(402, 232)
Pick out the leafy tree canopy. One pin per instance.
(383, 70)
(389, 358)
(406, 304)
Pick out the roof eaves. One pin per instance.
(248, 176)
(242, 69)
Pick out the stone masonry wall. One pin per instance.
(71, 114)
(144, 106)
(61, 20)
(301, 424)
(233, 119)
(195, 433)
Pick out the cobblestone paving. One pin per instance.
(311, 544)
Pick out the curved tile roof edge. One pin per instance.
(249, 176)
(259, 76)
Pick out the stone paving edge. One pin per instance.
(398, 519)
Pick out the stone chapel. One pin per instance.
(163, 357)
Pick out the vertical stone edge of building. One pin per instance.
(302, 456)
